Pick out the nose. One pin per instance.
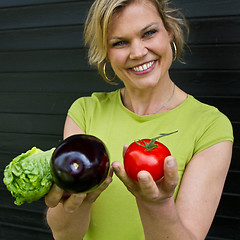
(137, 49)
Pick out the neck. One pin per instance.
(149, 102)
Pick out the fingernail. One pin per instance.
(109, 180)
(79, 197)
(170, 162)
(57, 188)
(70, 211)
(143, 179)
(116, 168)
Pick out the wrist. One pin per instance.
(159, 203)
(164, 209)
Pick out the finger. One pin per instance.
(170, 174)
(107, 181)
(121, 174)
(125, 147)
(54, 196)
(148, 185)
(74, 202)
(105, 184)
(110, 172)
(92, 196)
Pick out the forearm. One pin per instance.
(69, 225)
(161, 221)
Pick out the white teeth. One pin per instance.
(143, 67)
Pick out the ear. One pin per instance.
(107, 59)
(170, 36)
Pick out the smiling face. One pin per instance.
(139, 45)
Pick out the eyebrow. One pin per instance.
(148, 26)
(142, 30)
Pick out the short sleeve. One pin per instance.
(216, 131)
(77, 113)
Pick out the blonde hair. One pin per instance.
(100, 13)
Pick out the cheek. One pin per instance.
(164, 49)
(118, 60)
(160, 45)
(118, 56)
(166, 54)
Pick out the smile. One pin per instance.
(144, 67)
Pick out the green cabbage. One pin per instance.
(28, 176)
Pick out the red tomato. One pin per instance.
(138, 157)
(148, 155)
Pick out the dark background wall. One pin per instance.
(43, 69)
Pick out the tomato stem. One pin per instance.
(151, 145)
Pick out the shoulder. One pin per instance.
(85, 109)
(197, 105)
(204, 112)
(89, 105)
(97, 97)
(199, 115)
(212, 126)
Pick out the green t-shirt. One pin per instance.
(114, 214)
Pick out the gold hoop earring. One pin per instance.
(105, 75)
(175, 50)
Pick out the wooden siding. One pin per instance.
(43, 69)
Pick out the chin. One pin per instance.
(144, 81)
(150, 82)
(146, 85)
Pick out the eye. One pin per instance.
(119, 44)
(150, 33)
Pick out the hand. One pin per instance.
(71, 202)
(146, 188)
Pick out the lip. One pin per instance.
(144, 71)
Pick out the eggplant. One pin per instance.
(80, 163)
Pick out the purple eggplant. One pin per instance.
(80, 163)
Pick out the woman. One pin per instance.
(140, 39)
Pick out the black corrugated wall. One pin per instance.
(43, 69)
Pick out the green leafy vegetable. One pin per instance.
(28, 176)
